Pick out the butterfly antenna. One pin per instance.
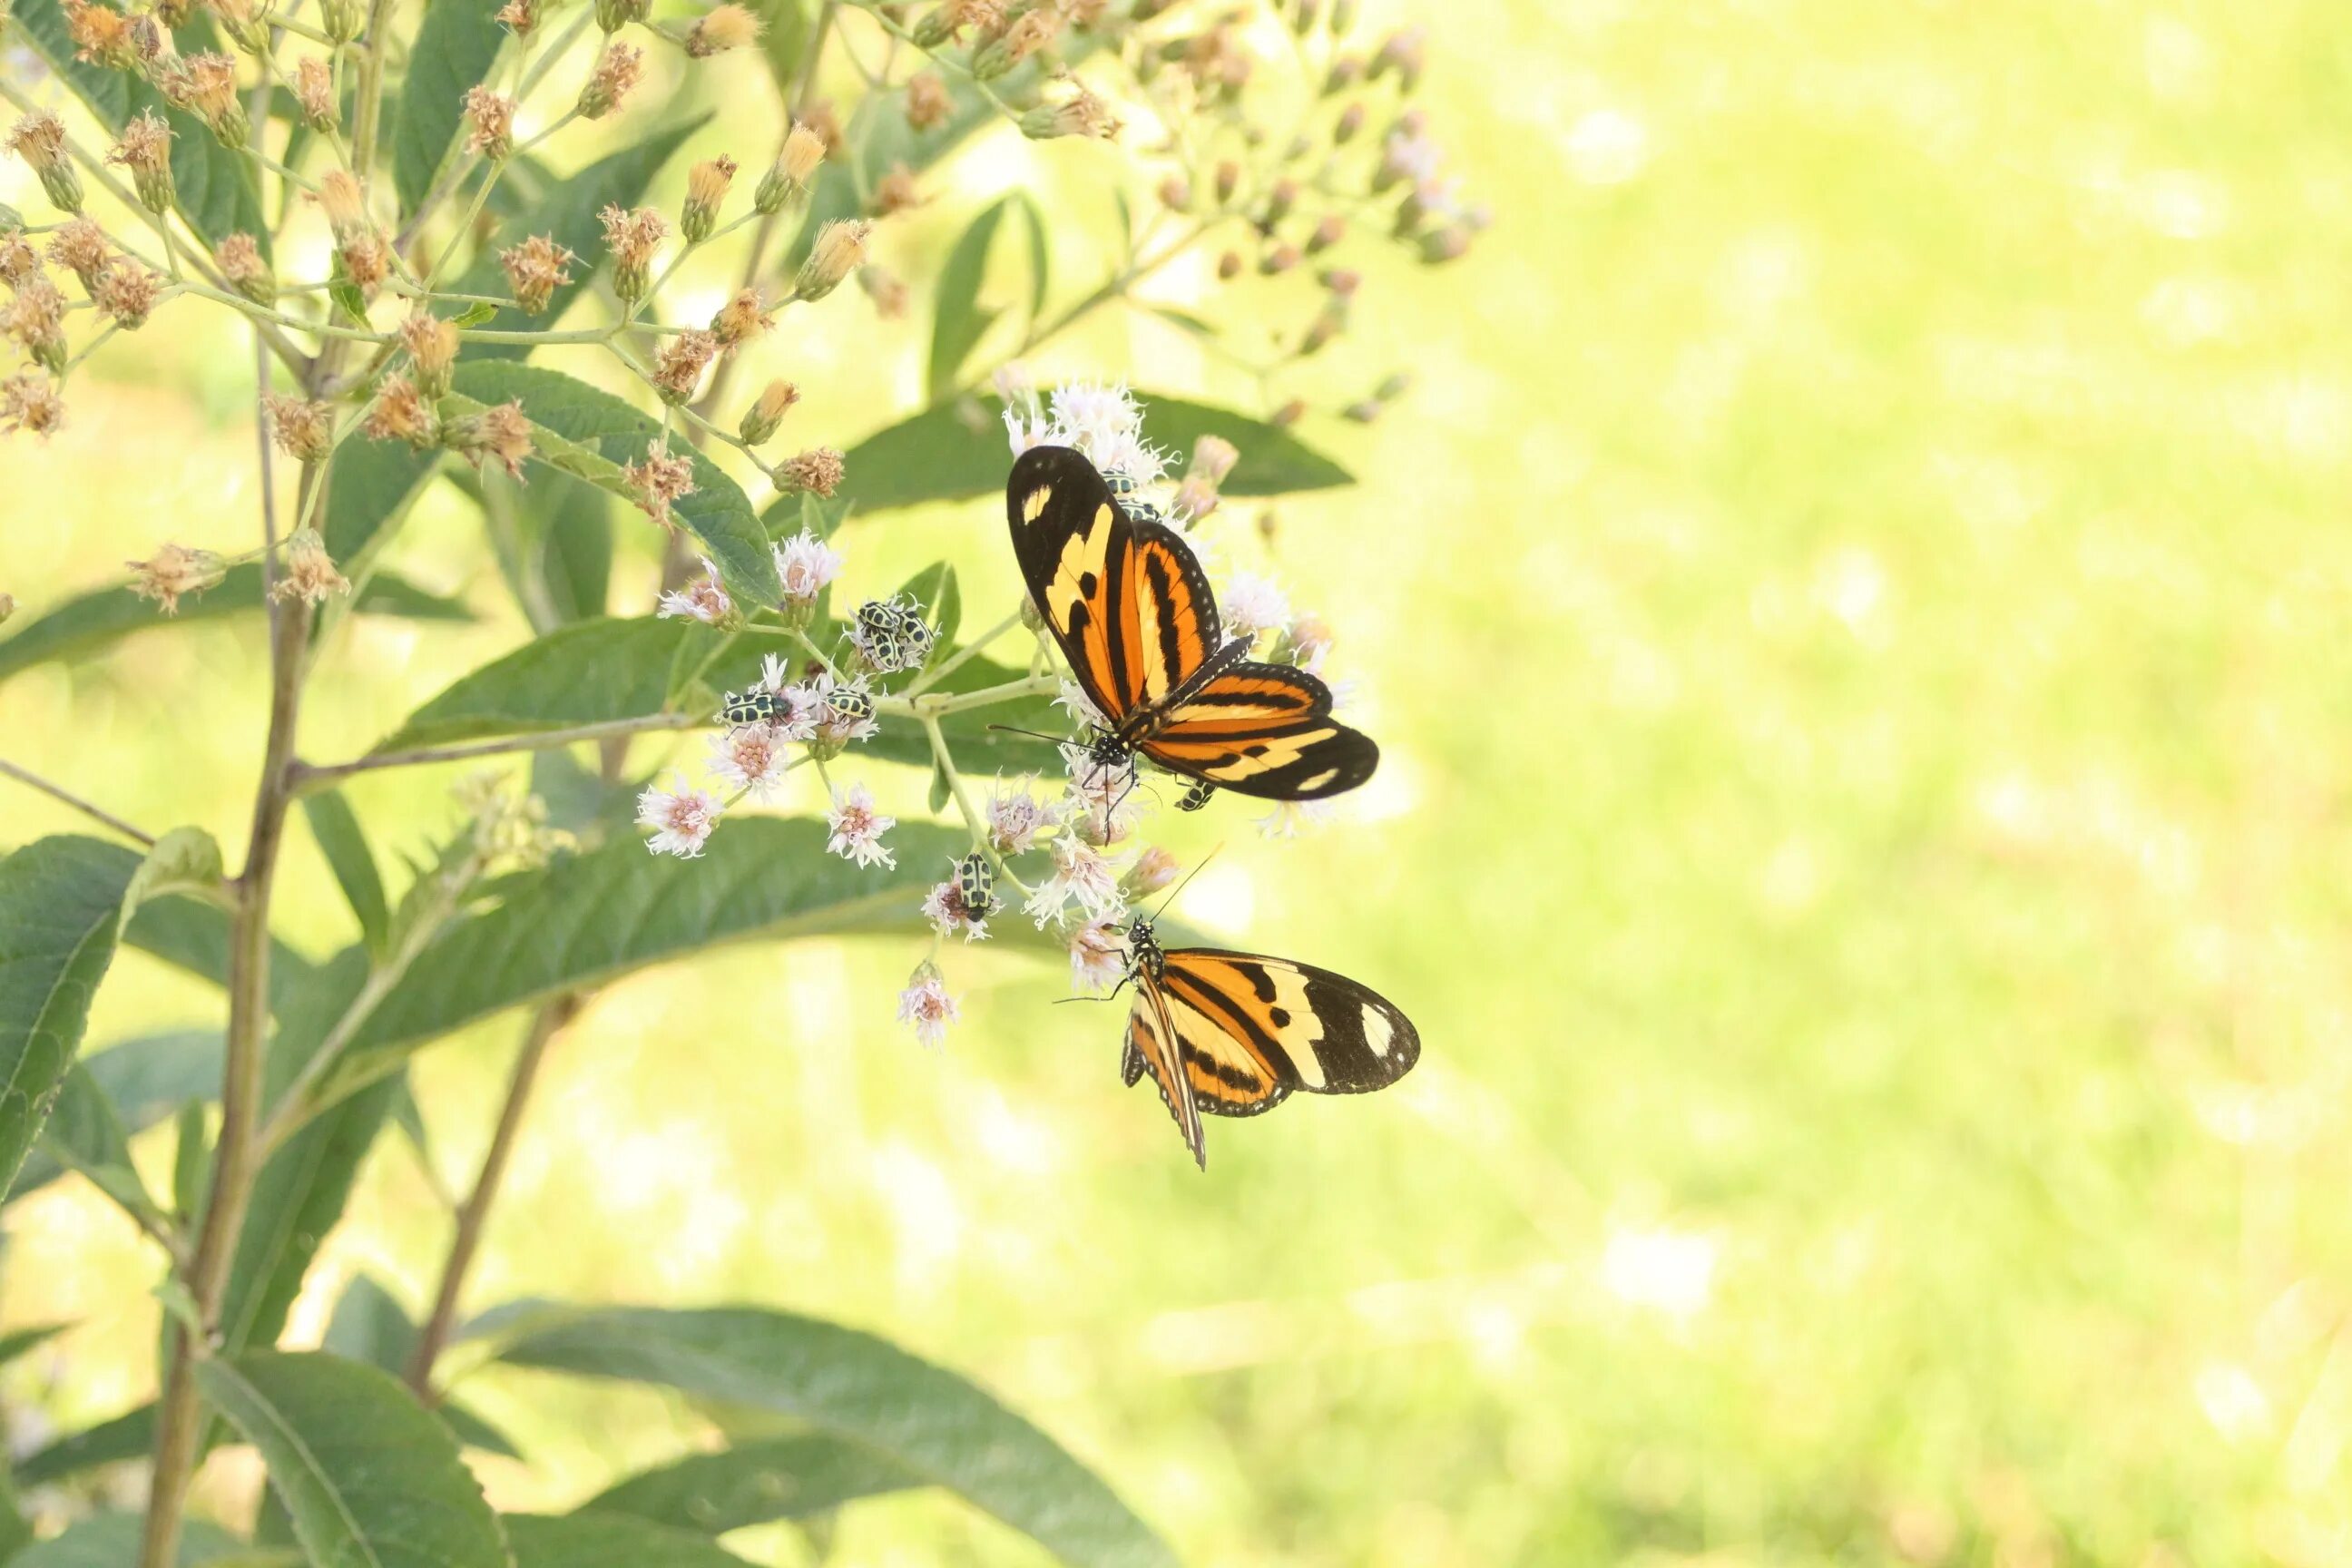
(1183, 882)
(1032, 734)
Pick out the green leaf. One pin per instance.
(17, 1342)
(587, 1541)
(370, 486)
(111, 1540)
(371, 1480)
(953, 452)
(300, 1193)
(84, 1134)
(127, 1436)
(217, 193)
(590, 434)
(133, 1086)
(863, 1390)
(594, 917)
(16, 1529)
(942, 789)
(570, 522)
(193, 936)
(370, 1326)
(60, 902)
(184, 860)
(454, 49)
(581, 674)
(962, 319)
(753, 1483)
(94, 622)
(1041, 252)
(783, 41)
(343, 842)
(567, 213)
(192, 1159)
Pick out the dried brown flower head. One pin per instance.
(884, 287)
(633, 235)
(206, 85)
(127, 291)
(761, 419)
(29, 401)
(722, 28)
(367, 261)
(500, 434)
(804, 148)
(946, 22)
(174, 570)
(1030, 32)
(35, 318)
(400, 413)
(818, 470)
(304, 431)
(145, 145)
(618, 71)
(19, 260)
(309, 572)
(490, 122)
(519, 17)
(238, 256)
(102, 35)
(341, 199)
(659, 480)
(895, 192)
(928, 103)
(1083, 113)
(432, 346)
(741, 320)
(535, 270)
(839, 251)
(707, 184)
(82, 248)
(679, 363)
(314, 91)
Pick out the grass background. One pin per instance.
(1853, 609)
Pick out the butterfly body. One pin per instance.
(1127, 601)
(1233, 1034)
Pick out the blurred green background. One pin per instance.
(1853, 611)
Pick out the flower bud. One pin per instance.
(400, 414)
(492, 117)
(1329, 233)
(1229, 266)
(1229, 179)
(1214, 458)
(722, 28)
(1290, 414)
(617, 69)
(1279, 202)
(679, 363)
(1176, 193)
(174, 570)
(314, 94)
(741, 320)
(340, 19)
(612, 16)
(928, 103)
(1278, 259)
(761, 420)
(146, 148)
(817, 470)
(304, 431)
(1341, 280)
(432, 346)
(1153, 869)
(839, 249)
(1343, 16)
(1395, 386)
(1345, 129)
(1302, 21)
(1362, 412)
(126, 291)
(1029, 33)
(534, 269)
(40, 139)
(499, 435)
(1346, 71)
(632, 236)
(1444, 245)
(787, 183)
(310, 575)
(706, 188)
(1082, 115)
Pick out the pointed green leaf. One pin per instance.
(343, 842)
(581, 674)
(370, 486)
(862, 1390)
(111, 1540)
(588, 1540)
(60, 902)
(371, 1480)
(783, 41)
(133, 1084)
(217, 193)
(85, 1135)
(598, 916)
(193, 936)
(567, 213)
(126, 1437)
(753, 1483)
(1041, 252)
(184, 860)
(370, 1326)
(589, 433)
(954, 452)
(453, 50)
(961, 319)
(92, 623)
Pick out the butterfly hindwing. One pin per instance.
(1263, 730)
(1268, 1026)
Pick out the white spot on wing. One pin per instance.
(1378, 1030)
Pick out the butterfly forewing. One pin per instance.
(1153, 1046)
(1263, 730)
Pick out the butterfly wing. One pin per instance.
(1127, 602)
(1261, 730)
(1153, 1046)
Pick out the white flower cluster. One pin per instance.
(1101, 421)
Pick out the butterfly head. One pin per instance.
(1142, 946)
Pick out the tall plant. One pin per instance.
(186, 153)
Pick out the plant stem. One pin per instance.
(309, 778)
(95, 813)
(545, 1025)
(940, 672)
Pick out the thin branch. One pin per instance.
(95, 813)
(309, 778)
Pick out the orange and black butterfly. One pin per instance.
(1134, 615)
(1234, 1033)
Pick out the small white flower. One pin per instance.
(832, 721)
(945, 909)
(751, 757)
(1098, 957)
(1016, 817)
(806, 563)
(1294, 817)
(1015, 386)
(1093, 413)
(1103, 804)
(1021, 434)
(926, 1005)
(1152, 870)
(857, 827)
(1074, 701)
(775, 673)
(683, 818)
(1130, 455)
(1083, 875)
(1253, 605)
(704, 601)
(1415, 157)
